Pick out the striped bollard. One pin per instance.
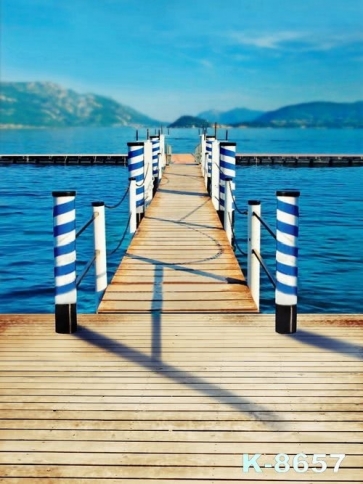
(64, 232)
(135, 163)
(287, 232)
(155, 161)
(227, 165)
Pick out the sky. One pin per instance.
(167, 58)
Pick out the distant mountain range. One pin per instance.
(314, 115)
(233, 116)
(45, 104)
(318, 114)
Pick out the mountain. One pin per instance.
(314, 114)
(236, 115)
(190, 122)
(44, 104)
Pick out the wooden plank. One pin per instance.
(230, 436)
(106, 415)
(151, 424)
(147, 471)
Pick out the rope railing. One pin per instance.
(86, 225)
(266, 225)
(285, 283)
(218, 169)
(122, 238)
(141, 186)
(116, 205)
(65, 257)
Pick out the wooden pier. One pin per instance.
(180, 259)
(177, 378)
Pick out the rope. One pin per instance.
(122, 199)
(122, 238)
(85, 226)
(234, 236)
(265, 224)
(143, 181)
(242, 212)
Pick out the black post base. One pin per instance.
(209, 186)
(139, 217)
(155, 185)
(285, 319)
(65, 318)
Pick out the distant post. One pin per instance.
(287, 232)
(209, 140)
(64, 232)
(155, 161)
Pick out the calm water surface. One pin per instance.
(331, 202)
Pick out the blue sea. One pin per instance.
(331, 211)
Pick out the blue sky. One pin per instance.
(168, 58)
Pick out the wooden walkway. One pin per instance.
(166, 398)
(179, 259)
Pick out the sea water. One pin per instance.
(331, 216)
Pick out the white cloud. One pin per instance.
(206, 63)
(267, 41)
(303, 41)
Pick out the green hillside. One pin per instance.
(44, 104)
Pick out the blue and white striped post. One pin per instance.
(155, 161)
(135, 163)
(64, 232)
(287, 231)
(227, 165)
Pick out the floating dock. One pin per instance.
(241, 159)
